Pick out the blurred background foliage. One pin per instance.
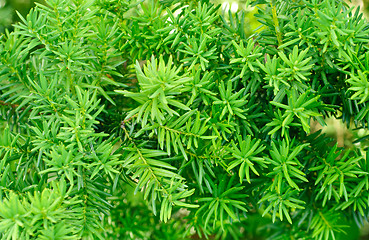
(8, 10)
(131, 205)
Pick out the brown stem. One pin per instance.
(8, 104)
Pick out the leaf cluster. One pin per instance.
(117, 115)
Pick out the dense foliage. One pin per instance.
(113, 110)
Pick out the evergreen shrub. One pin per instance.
(168, 120)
